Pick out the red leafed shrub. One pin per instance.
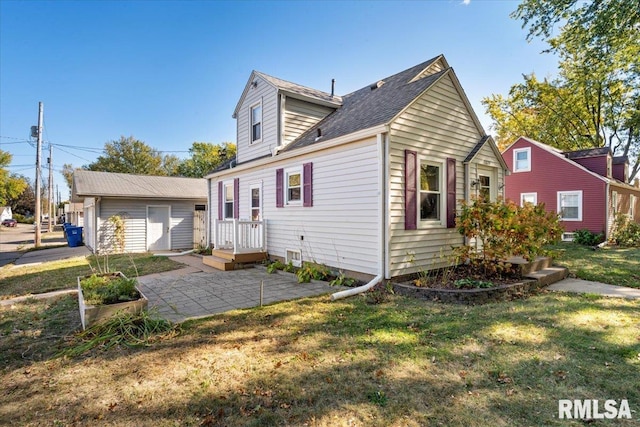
(501, 229)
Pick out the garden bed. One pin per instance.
(505, 292)
(90, 314)
(466, 285)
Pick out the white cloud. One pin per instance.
(466, 2)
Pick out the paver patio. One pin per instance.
(200, 291)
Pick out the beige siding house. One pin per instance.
(368, 182)
(158, 211)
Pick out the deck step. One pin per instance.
(549, 275)
(218, 263)
(239, 258)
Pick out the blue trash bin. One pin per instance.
(74, 236)
(65, 225)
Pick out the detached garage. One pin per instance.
(158, 211)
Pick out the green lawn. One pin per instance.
(314, 362)
(52, 276)
(616, 266)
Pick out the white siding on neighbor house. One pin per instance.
(300, 116)
(437, 126)
(265, 92)
(342, 228)
(135, 214)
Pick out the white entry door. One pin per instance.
(158, 231)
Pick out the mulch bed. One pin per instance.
(465, 277)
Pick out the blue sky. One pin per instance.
(170, 73)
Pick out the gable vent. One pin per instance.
(377, 85)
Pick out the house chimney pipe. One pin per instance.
(333, 86)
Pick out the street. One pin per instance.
(15, 240)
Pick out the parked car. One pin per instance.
(9, 222)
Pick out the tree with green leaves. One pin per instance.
(595, 99)
(129, 155)
(205, 157)
(11, 185)
(25, 202)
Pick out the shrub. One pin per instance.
(626, 232)
(312, 271)
(108, 289)
(504, 229)
(587, 238)
(23, 219)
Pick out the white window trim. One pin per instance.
(523, 195)
(251, 140)
(253, 186)
(226, 184)
(287, 172)
(515, 159)
(559, 207)
(295, 256)
(431, 223)
(632, 206)
(614, 202)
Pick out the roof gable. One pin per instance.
(108, 184)
(291, 89)
(487, 139)
(557, 153)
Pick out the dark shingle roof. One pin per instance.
(370, 106)
(295, 88)
(477, 148)
(108, 184)
(620, 160)
(589, 152)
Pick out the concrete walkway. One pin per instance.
(588, 287)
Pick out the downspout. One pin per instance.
(382, 229)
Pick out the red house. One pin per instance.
(587, 188)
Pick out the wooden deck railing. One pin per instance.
(241, 236)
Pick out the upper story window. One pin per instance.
(256, 123)
(228, 201)
(522, 159)
(430, 191)
(570, 205)
(293, 182)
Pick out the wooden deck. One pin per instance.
(225, 260)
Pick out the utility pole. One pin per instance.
(37, 241)
(51, 201)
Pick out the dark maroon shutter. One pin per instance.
(307, 184)
(451, 193)
(279, 190)
(220, 200)
(236, 198)
(410, 191)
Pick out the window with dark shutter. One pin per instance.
(307, 186)
(451, 193)
(410, 201)
(279, 188)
